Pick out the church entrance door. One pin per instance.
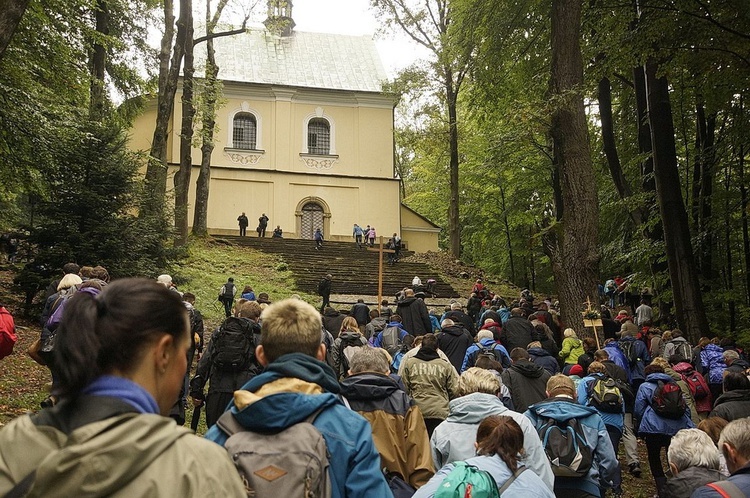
(312, 219)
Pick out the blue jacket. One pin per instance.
(617, 357)
(613, 419)
(741, 479)
(636, 371)
(545, 360)
(377, 340)
(651, 422)
(526, 484)
(604, 466)
(712, 359)
(354, 462)
(485, 343)
(435, 323)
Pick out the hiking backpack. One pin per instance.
(227, 292)
(391, 340)
(234, 345)
(566, 448)
(630, 351)
(604, 394)
(467, 481)
(697, 384)
(8, 335)
(667, 401)
(683, 350)
(290, 463)
(493, 353)
(347, 347)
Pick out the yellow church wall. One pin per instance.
(418, 234)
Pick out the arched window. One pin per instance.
(244, 131)
(318, 136)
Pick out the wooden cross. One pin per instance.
(380, 252)
(593, 322)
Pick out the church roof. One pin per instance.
(316, 60)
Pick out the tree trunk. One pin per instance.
(572, 242)
(169, 72)
(454, 230)
(208, 118)
(705, 226)
(610, 146)
(744, 207)
(99, 63)
(732, 305)
(11, 13)
(182, 177)
(691, 315)
(508, 242)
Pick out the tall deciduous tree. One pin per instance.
(11, 12)
(430, 24)
(571, 242)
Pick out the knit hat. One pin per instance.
(576, 370)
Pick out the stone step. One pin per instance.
(354, 270)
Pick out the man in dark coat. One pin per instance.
(517, 331)
(414, 314)
(243, 221)
(332, 321)
(324, 290)
(526, 380)
(458, 316)
(454, 340)
(361, 313)
(262, 225)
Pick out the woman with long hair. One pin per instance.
(499, 443)
(121, 361)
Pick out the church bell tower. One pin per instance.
(279, 20)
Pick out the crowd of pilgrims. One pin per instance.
(504, 389)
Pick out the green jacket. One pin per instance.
(431, 384)
(123, 455)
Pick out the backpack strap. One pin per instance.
(22, 487)
(727, 489)
(512, 478)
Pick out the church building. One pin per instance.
(304, 134)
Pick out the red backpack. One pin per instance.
(8, 336)
(667, 401)
(697, 384)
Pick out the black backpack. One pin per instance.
(493, 353)
(234, 345)
(391, 340)
(668, 401)
(228, 294)
(344, 354)
(684, 350)
(630, 351)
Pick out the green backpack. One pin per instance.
(468, 481)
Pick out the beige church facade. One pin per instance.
(304, 135)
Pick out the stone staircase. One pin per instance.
(354, 271)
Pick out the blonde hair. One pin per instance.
(290, 326)
(349, 323)
(561, 384)
(597, 367)
(68, 281)
(570, 333)
(659, 361)
(478, 380)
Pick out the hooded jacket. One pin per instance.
(336, 352)
(690, 479)
(618, 357)
(527, 383)
(376, 325)
(604, 465)
(545, 360)
(332, 321)
(453, 440)
(643, 358)
(454, 341)
(732, 405)
(703, 405)
(414, 316)
(398, 428)
(290, 390)
(377, 339)
(431, 384)
(572, 348)
(686, 393)
(651, 422)
(670, 348)
(526, 484)
(740, 478)
(517, 333)
(102, 447)
(712, 359)
(612, 419)
(459, 317)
